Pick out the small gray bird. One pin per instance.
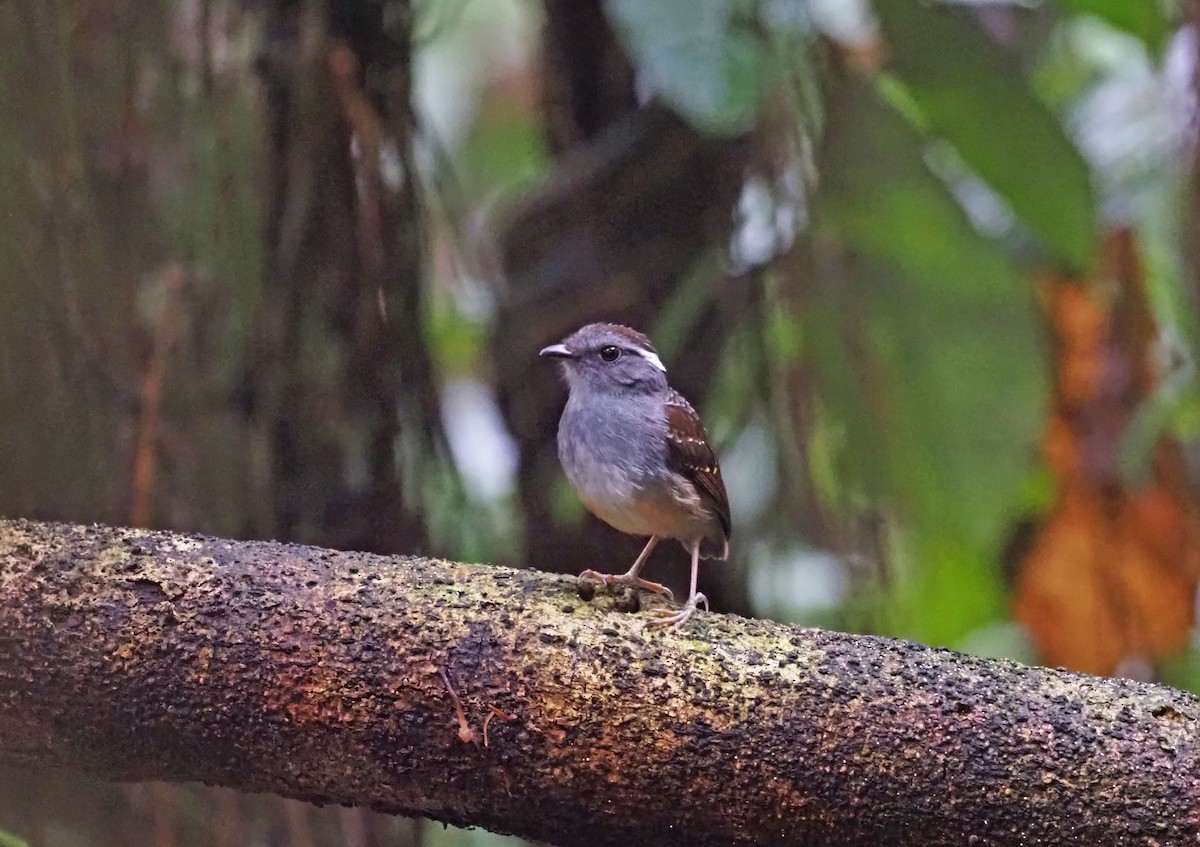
(637, 455)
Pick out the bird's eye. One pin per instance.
(610, 353)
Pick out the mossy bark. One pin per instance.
(319, 675)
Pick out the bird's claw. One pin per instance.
(676, 619)
(595, 578)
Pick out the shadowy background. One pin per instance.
(930, 271)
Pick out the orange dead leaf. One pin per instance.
(1111, 575)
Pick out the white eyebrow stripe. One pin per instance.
(651, 357)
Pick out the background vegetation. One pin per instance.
(281, 269)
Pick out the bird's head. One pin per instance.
(609, 359)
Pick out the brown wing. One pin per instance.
(690, 454)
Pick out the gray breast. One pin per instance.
(612, 452)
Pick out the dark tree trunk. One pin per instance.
(344, 278)
(327, 676)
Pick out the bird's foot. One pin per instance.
(675, 620)
(595, 578)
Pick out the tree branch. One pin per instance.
(319, 675)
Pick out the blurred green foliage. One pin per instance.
(972, 93)
(923, 328)
(707, 58)
(913, 345)
(1146, 20)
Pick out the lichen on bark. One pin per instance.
(323, 675)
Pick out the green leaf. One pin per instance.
(7, 839)
(972, 93)
(1143, 19)
(1183, 670)
(706, 58)
(927, 346)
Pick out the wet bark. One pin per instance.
(326, 676)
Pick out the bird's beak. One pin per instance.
(556, 351)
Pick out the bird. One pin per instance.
(638, 456)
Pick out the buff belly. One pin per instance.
(673, 510)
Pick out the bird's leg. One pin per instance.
(631, 576)
(675, 620)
